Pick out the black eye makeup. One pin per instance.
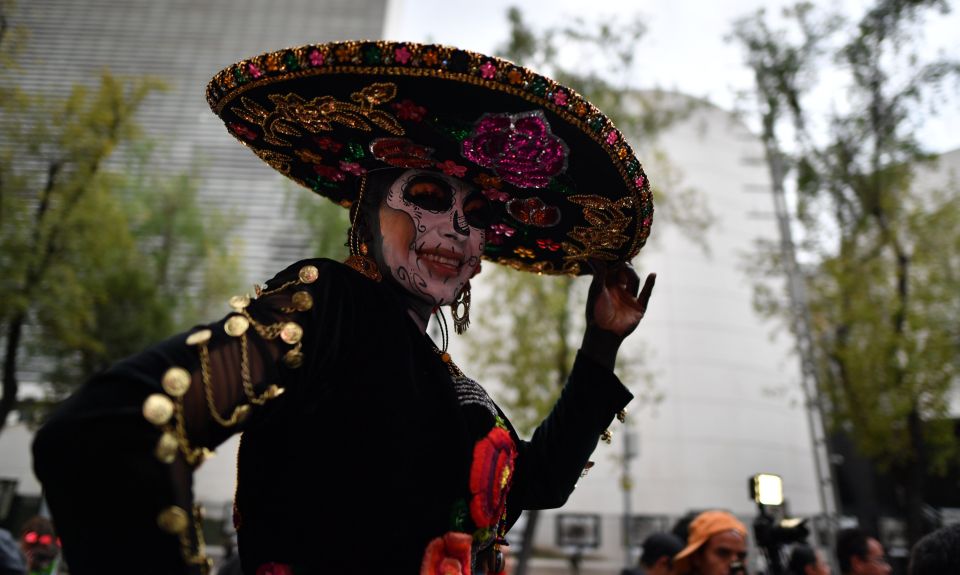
(427, 192)
(478, 211)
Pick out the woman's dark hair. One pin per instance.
(800, 557)
(375, 184)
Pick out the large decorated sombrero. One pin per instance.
(565, 185)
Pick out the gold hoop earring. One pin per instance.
(461, 321)
(359, 260)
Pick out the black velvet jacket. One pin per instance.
(364, 459)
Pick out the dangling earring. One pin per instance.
(461, 321)
(359, 258)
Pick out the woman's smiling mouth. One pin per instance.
(442, 262)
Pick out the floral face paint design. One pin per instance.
(433, 232)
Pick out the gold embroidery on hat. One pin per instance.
(291, 112)
(606, 232)
(545, 267)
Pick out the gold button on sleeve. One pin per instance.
(607, 436)
(291, 333)
(173, 520)
(157, 409)
(302, 300)
(236, 326)
(293, 359)
(176, 381)
(199, 336)
(309, 274)
(239, 302)
(166, 450)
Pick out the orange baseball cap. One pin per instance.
(702, 528)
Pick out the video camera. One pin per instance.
(771, 529)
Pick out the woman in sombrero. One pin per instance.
(365, 449)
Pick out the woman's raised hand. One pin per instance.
(614, 309)
(614, 305)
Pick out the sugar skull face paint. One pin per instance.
(433, 230)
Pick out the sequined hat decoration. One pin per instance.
(564, 184)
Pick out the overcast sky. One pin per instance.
(684, 48)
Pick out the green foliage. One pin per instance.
(883, 279)
(530, 349)
(97, 262)
(325, 224)
(534, 360)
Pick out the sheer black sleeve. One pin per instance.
(549, 465)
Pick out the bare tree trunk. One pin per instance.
(10, 384)
(914, 484)
(526, 552)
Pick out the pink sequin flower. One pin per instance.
(329, 172)
(352, 168)
(497, 233)
(451, 168)
(612, 137)
(640, 181)
(402, 54)
(560, 98)
(316, 58)
(254, 71)
(243, 131)
(520, 148)
(488, 70)
(495, 195)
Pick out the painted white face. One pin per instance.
(433, 229)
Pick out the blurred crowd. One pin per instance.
(711, 543)
(715, 543)
(35, 552)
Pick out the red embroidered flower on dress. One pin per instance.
(409, 110)
(560, 98)
(520, 148)
(447, 555)
(316, 58)
(490, 474)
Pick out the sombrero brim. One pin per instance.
(565, 185)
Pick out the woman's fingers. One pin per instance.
(647, 291)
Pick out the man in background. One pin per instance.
(657, 557)
(716, 545)
(937, 552)
(860, 554)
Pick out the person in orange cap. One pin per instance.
(716, 545)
